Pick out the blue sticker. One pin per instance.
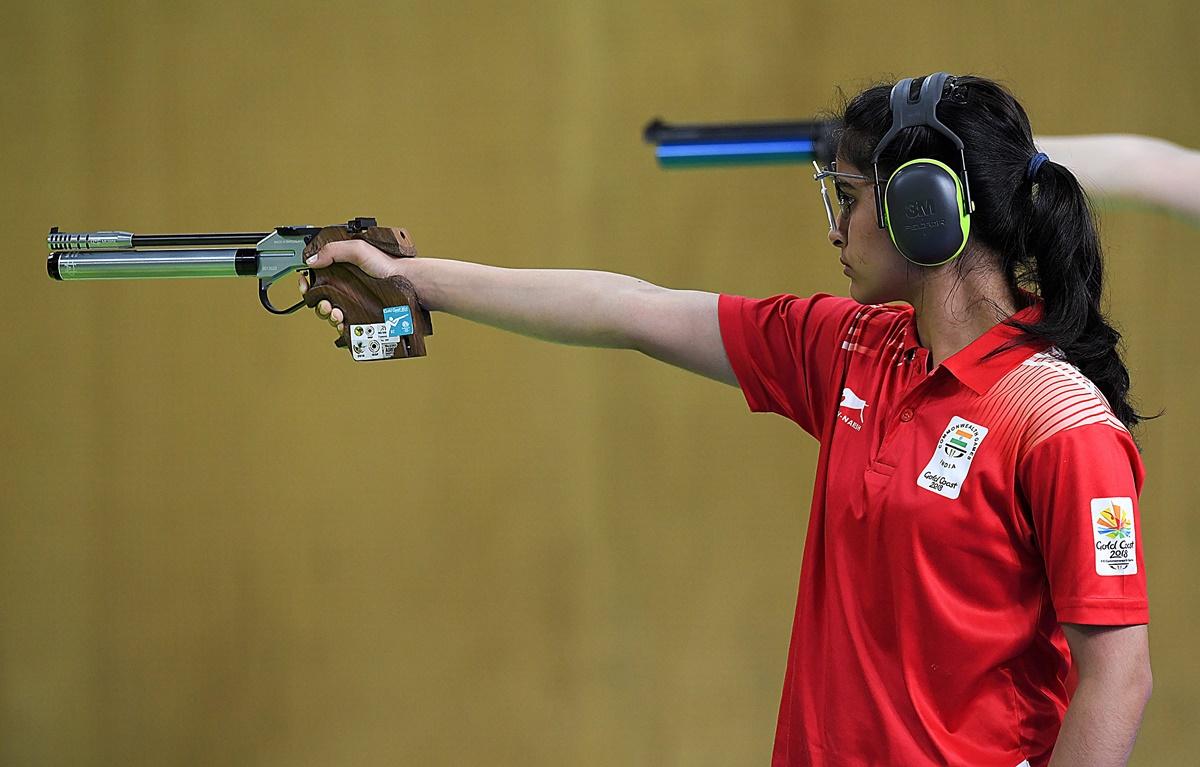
(398, 320)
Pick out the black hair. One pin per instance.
(1043, 230)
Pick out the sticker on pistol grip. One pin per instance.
(398, 320)
(379, 340)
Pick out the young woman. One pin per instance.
(973, 587)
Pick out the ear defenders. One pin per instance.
(925, 207)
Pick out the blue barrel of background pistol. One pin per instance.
(383, 318)
(726, 144)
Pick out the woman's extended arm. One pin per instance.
(1132, 169)
(569, 306)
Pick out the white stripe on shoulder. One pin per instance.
(854, 340)
(854, 332)
(1062, 398)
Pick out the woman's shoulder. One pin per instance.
(882, 331)
(1052, 396)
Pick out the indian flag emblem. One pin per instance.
(958, 443)
(1114, 523)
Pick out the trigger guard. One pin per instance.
(265, 300)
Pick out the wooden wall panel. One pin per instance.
(223, 542)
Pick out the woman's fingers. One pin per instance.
(325, 310)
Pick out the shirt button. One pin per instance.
(906, 415)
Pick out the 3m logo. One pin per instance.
(1114, 536)
(920, 209)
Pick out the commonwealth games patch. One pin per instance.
(1113, 532)
(952, 458)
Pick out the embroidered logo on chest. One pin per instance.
(947, 469)
(1112, 529)
(855, 405)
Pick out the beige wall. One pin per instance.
(221, 542)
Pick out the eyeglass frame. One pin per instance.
(822, 174)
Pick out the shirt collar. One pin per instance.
(971, 364)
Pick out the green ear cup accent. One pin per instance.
(924, 212)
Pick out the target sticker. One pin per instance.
(372, 342)
(378, 341)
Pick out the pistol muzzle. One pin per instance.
(57, 240)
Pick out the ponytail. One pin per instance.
(1058, 250)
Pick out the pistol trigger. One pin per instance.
(265, 300)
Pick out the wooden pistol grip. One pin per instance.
(394, 241)
(362, 299)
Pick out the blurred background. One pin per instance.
(223, 542)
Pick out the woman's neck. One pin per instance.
(953, 311)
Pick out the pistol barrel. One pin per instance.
(57, 240)
(689, 146)
(63, 241)
(142, 264)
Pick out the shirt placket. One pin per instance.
(900, 420)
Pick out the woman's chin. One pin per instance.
(859, 293)
(865, 293)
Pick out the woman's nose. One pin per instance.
(837, 238)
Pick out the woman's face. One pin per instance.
(878, 272)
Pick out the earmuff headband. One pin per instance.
(908, 112)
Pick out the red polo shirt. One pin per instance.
(958, 516)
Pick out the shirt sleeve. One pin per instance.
(783, 350)
(1082, 486)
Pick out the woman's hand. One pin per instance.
(365, 256)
